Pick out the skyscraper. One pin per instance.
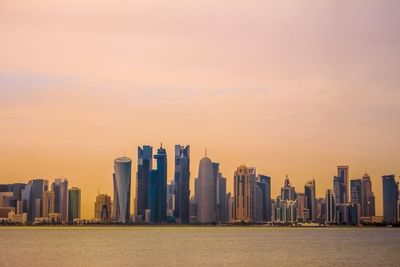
(343, 173)
(303, 214)
(158, 188)
(264, 185)
(310, 203)
(32, 198)
(368, 198)
(288, 192)
(222, 202)
(390, 197)
(145, 165)
(122, 189)
(206, 198)
(182, 182)
(330, 202)
(102, 208)
(74, 204)
(242, 193)
(355, 191)
(47, 203)
(60, 189)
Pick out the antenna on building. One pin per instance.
(161, 145)
(205, 151)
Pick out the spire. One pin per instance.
(205, 151)
(161, 145)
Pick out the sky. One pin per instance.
(289, 87)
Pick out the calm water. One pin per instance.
(198, 246)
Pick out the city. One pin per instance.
(348, 202)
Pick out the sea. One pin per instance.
(199, 246)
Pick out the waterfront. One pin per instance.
(198, 246)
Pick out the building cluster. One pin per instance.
(37, 203)
(157, 201)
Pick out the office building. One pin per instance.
(390, 198)
(243, 183)
(102, 208)
(32, 198)
(182, 182)
(60, 189)
(330, 202)
(309, 200)
(355, 191)
(74, 204)
(158, 188)
(368, 197)
(264, 186)
(206, 205)
(145, 165)
(122, 189)
(48, 203)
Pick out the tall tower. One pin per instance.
(145, 159)
(47, 203)
(343, 174)
(243, 195)
(368, 198)
(32, 198)
(74, 204)
(60, 189)
(390, 197)
(330, 207)
(206, 212)
(182, 182)
(158, 188)
(122, 189)
(310, 204)
(264, 183)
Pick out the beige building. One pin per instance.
(244, 179)
(47, 203)
(102, 208)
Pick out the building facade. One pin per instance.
(158, 188)
(74, 204)
(182, 182)
(390, 198)
(122, 189)
(144, 167)
(60, 189)
(206, 205)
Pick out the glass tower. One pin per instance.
(145, 158)
(122, 189)
(158, 188)
(182, 181)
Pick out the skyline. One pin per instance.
(285, 87)
(275, 183)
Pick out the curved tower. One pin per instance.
(206, 212)
(122, 189)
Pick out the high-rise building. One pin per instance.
(243, 193)
(231, 208)
(47, 203)
(302, 212)
(32, 198)
(368, 198)
(222, 213)
(263, 202)
(60, 189)
(390, 197)
(145, 165)
(122, 189)
(343, 174)
(355, 191)
(288, 192)
(102, 208)
(310, 202)
(74, 204)
(158, 188)
(206, 205)
(330, 203)
(182, 182)
(170, 198)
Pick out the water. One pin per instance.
(198, 246)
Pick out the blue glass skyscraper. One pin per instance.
(158, 188)
(390, 197)
(182, 179)
(145, 158)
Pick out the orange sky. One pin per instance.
(294, 87)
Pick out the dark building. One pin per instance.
(32, 198)
(158, 188)
(182, 182)
(368, 197)
(221, 200)
(145, 159)
(355, 191)
(390, 197)
(264, 185)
